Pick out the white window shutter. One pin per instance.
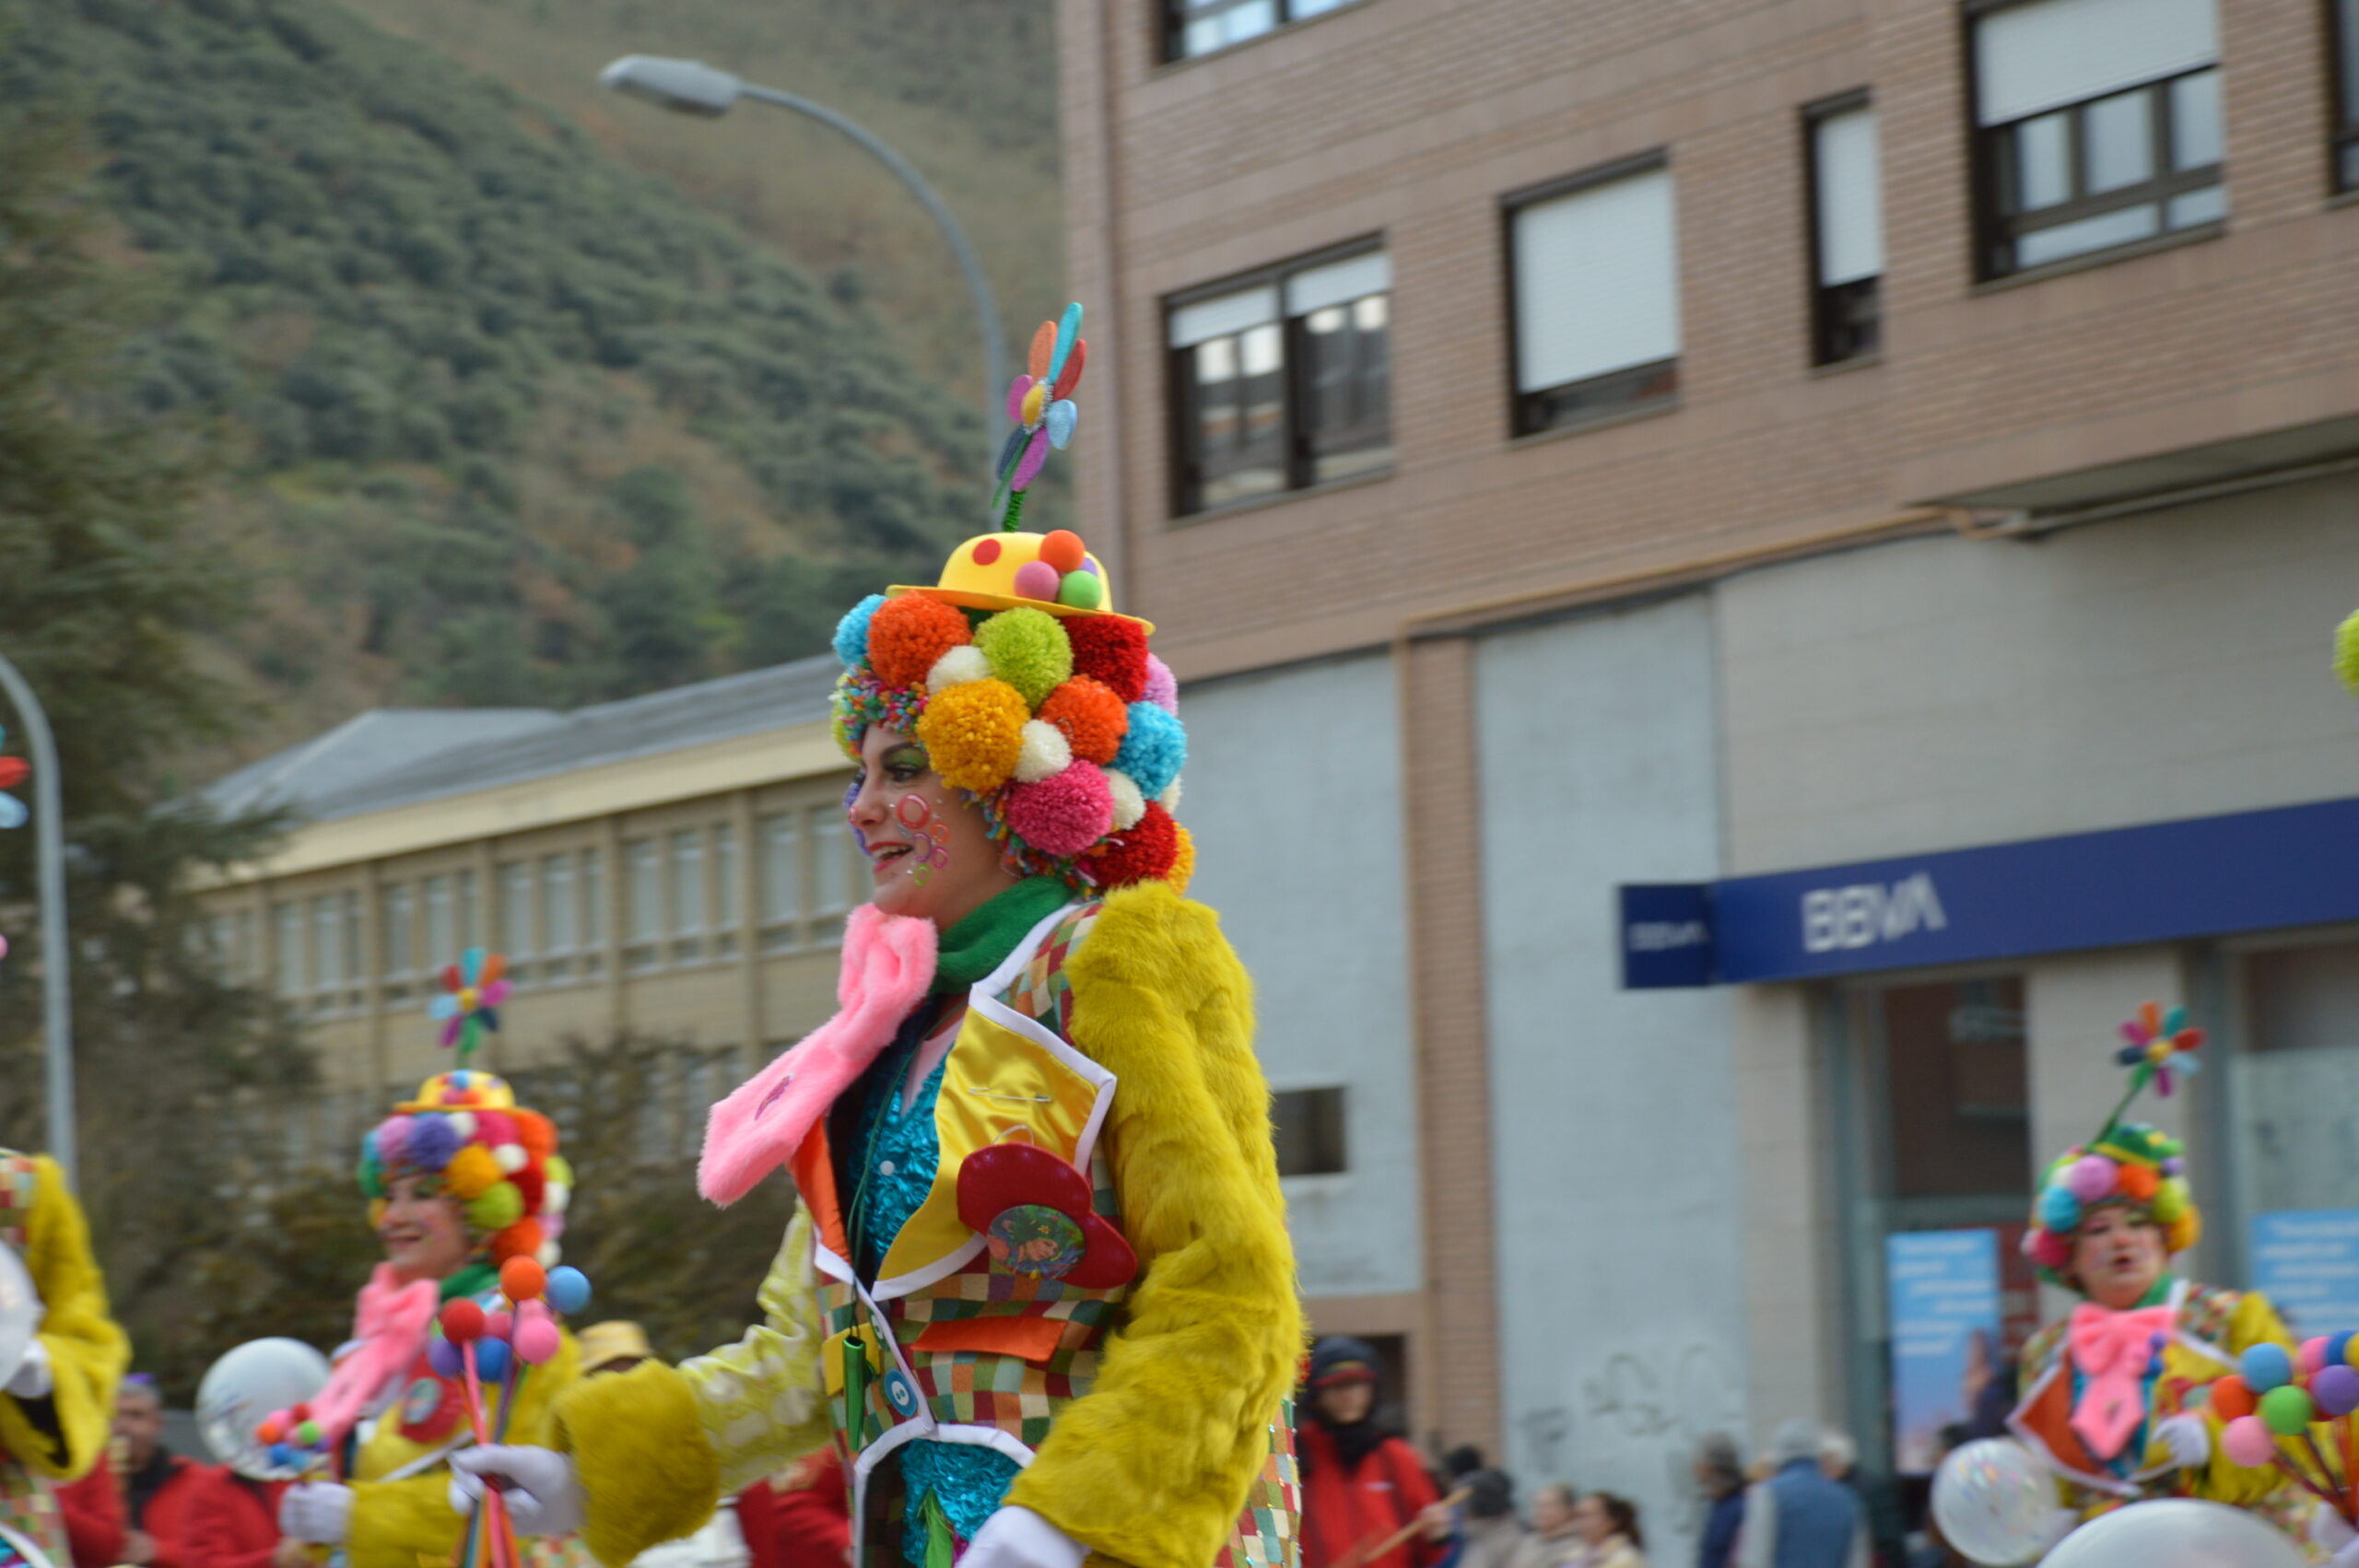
(2044, 55)
(1850, 200)
(1596, 281)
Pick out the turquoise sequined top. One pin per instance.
(966, 1480)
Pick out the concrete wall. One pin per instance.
(1949, 692)
(1294, 796)
(1613, 1113)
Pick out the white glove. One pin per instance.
(316, 1510)
(543, 1492)
(2331, 1534)
(32, 1379)
(1018, 1538)
(2187, 1439)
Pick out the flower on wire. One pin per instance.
(2161, 1044)
(469, 1008)
(1040, 404)
(14, 770)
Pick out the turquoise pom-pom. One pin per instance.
(1155, 748)
(2059, 1210)
(851, 632)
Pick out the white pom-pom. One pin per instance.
(511, 1157)
(1045, 753)
(963, 664)
(548, 1254)
(1128, 804)
(555, 1196)
(1169, 798)
(464, 1124)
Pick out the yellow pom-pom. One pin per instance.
(973, 734)
(376, 1212)
(2346, 652)
(2184, 1232)
(1183, 861)
(471, 1172)
(558, 1169)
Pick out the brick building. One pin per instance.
(1575, 443)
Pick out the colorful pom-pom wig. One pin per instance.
(2129, 1164)
(466, 1132)
(1029, 692)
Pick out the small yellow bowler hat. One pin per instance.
(464, 1089)
(1010, 570)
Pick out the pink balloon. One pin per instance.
(538, 1341)
(2313, 1355)
(497, 1325)
(2250, 1443)
(531, 1312)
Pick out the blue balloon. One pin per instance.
(569, 1288)
(2337, 1346)
(2266, 1366)
(443, 1357)
(1068, 328)
(284, 1457)
(491, 1359)
(12, 812)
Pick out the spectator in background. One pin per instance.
(1719, 1475)
(1361, 1485)
(1880, 1510)
(1556, 1540)
(799, 1517)
(233, 1523)
(1800, 1518)
(134, 1507)
(1490, 1536)
(1609, 1530)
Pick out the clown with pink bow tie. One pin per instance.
(2111, 1396)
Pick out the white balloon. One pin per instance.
(1995, 1501)
(20, 1311)
(242, 1389)
(2176, 1532)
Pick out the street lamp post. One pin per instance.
(692, 86)
(56, 957)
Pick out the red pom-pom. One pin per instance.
(531, 1182)
(1093, 717)
(1112, 652)
(907, 635)
(522, 1239)
(1141, 852)
(462, 1320)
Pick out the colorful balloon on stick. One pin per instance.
(2273, 1404)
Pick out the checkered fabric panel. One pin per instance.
(1041, 991)
(20, 1181)
(1268, 1533)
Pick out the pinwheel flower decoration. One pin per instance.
(14, 770)
(1039, 402)
(2160, 1044)
(469, 1008)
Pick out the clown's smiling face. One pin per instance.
(2116, 1257)
(929, 852)
(423, 1235)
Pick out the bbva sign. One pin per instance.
(1838, 919)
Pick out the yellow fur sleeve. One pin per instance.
(1151, 1466)
(63, 1436)
(658, 1447)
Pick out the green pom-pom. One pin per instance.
(307, 1436)
(1028, 651)
(371, 1177)
(2346, 653)
(499, 1207)
(2286, 1410)
(1082, 591)
(558, 1168)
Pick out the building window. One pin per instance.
(335, 951)
(642, 903)
(287, 949)
(2346, 95)
(2097, 125)
(2296, 1056)
(781, 891)
(687, 894)
(516, 918)
(1282, 380)
(834, 864)
(397, 943)
(469, 921)
(1594, 271)
(1845, 231)
(1200, 27)
(560, 920)
(728, 909)
(593, 912)
(1308, 1126)
(441, 924)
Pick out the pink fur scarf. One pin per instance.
(391, 1325)
(888, 965)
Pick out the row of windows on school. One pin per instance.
(680, 901)
(2098, 127)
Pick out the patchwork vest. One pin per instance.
(30, 1516)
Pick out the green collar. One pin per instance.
(473, 1279)
(981, 942)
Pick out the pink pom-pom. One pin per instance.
(2048, 1249)
(1162, 685)
(2250, 1443)
(393, 1139)
(494, 1127)
(1063, 814)
(537, 1341)
(2313, 1355)
(498, 1324)
(1037, 579)
(2090, 1177)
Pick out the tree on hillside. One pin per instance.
(102, 586)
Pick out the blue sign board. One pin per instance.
(1666, 935)
(1947, 1316)
(2163, 881)
(2307, 1262)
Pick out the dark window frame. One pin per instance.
(1997, 231)
(1298, 456)
(1177, 14)
(1846, 319)
(1634, 389)
(1324, 1132)
(2342, 95)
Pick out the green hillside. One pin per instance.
(502, 419)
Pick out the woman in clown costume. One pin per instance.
(458, 1180)
(1037, 1292)
(2106, 1394)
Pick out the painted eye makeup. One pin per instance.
(905, 762)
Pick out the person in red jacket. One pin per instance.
(133, 1508)
(801, 1520)
(92, 1509)
(1362, 1486)
(233, 1523)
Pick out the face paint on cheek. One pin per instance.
(852, 794)
(930, 835)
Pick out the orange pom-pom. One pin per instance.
(907, 635)
(1062, 549)
(1183, 863)
(522, 1279)
(2232, 1397)
(1093, 719)
(973, 733)
(536, 1132)
(520, 1240)
(2138, 1183)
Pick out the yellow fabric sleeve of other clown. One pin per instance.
(1151, 1466)
(406, 1523)
(2252, 1321)
(658, 1447)
(88, 1351)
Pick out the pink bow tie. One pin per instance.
(2112, 1350)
